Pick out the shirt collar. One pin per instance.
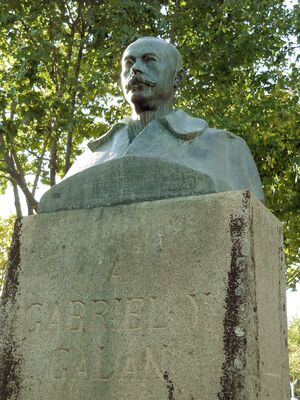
(179, 123)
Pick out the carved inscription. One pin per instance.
(115, 275)
(77, 312)
(68, 363)
(112, 339)
(118, 314)
(34, 316)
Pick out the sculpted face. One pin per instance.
(150, 74)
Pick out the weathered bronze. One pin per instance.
(157, 152)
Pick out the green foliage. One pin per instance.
(294, 350)
(59, 69)
(6, 230)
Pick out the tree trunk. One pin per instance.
(17, 200)
(293, 382)
(68, 152)
(53, 163)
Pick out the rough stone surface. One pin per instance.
(178, 299)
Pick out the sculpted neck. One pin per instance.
(147, 115)
(141, 120)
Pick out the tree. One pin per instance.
(55, 86)
(6, 230)
(60, 64)
(294, 354)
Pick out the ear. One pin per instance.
(179, 76)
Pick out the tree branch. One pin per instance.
(75, 90)
(52, 164)
(15, 170)
(40, 164)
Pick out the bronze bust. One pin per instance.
(157, 152)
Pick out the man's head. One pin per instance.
(151, 72)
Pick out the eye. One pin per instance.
(128, 63)
(149, 59)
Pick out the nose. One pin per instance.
(137, 67)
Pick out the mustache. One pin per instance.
(136, 79)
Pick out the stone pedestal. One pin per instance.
(180, 299)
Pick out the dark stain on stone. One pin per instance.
(10, 362)
(245, 200)
(170, 386)
(255, 315)
(12, 274)
(232, 380)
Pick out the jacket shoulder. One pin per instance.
(223, 133)
(94, 144)
(183, 126)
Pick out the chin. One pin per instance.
(142, 103)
